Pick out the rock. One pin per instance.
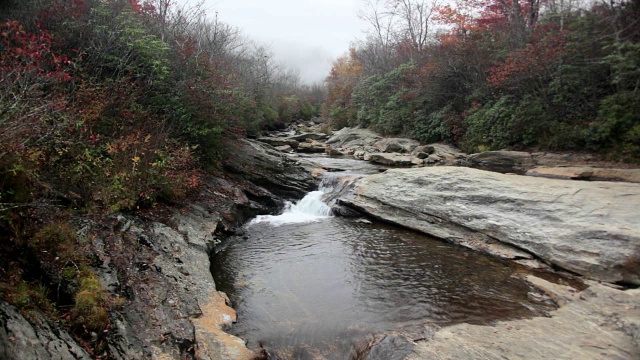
(417, 161)
(359, 154)
(20, 339)
(330, 150)
(391, 347)
(284, 148)
(423, 149)
(590, 228)
(557, 159)
(306, 136)
(597, 323)
(277, 141)
(517, 162)
(311, 147)
(270, 169)
(353, 138)
(587, 173)
(393, 159)
(421, 155)
(396, 145)
(444, 154)
(318, 120)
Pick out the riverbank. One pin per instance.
(157, 263)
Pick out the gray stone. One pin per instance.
(426, 149)
(284, 148)
(587, 173)
(590, 228)
(20, 339)
(392, 159)
(517, 162)
(306, 136)
(311, 147)
(353, 138)
(396, 145)
(278, 141)
(592, 325)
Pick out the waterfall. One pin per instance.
(315, 206)
(309, 208)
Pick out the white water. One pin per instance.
(309, 208)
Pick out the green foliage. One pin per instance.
(382, 101)
(618, 126)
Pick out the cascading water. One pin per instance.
(309, 208)
(315, 206)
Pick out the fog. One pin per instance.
(303, 34)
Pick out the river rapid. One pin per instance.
(307, 282)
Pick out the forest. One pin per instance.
(495, 74)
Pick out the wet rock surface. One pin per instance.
(589, 228)
(597, 323)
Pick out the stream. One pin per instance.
(307, 282)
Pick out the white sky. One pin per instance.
(303, 34)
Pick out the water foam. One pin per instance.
(309, 208)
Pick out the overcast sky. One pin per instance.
(304, 34)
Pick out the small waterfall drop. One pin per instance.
(309, 208)
(316, 205)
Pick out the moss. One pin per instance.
(91, 309)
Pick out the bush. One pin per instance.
(617, 128)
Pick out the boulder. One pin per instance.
(423, 149)
(517, 162)
(392, 159)
(353, 138)
(587, 173)
(306, 136)
(311, 147)
(284, 148)
(277, 141)
(396, 145)
(589, 228)
(443, 154)
(330, 150)
(266, 167)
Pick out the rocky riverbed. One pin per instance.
(589, 230)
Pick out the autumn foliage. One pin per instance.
(495, 74)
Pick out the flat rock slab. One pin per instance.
(517, 162)
(595, 324)
(587, 173)
(590, 228)
(393, 159)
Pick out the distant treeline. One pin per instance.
(493, 74)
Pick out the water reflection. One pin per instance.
(323, 284)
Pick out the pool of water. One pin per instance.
(307, 279)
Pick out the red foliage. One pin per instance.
(24, 53)
(531, 60)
